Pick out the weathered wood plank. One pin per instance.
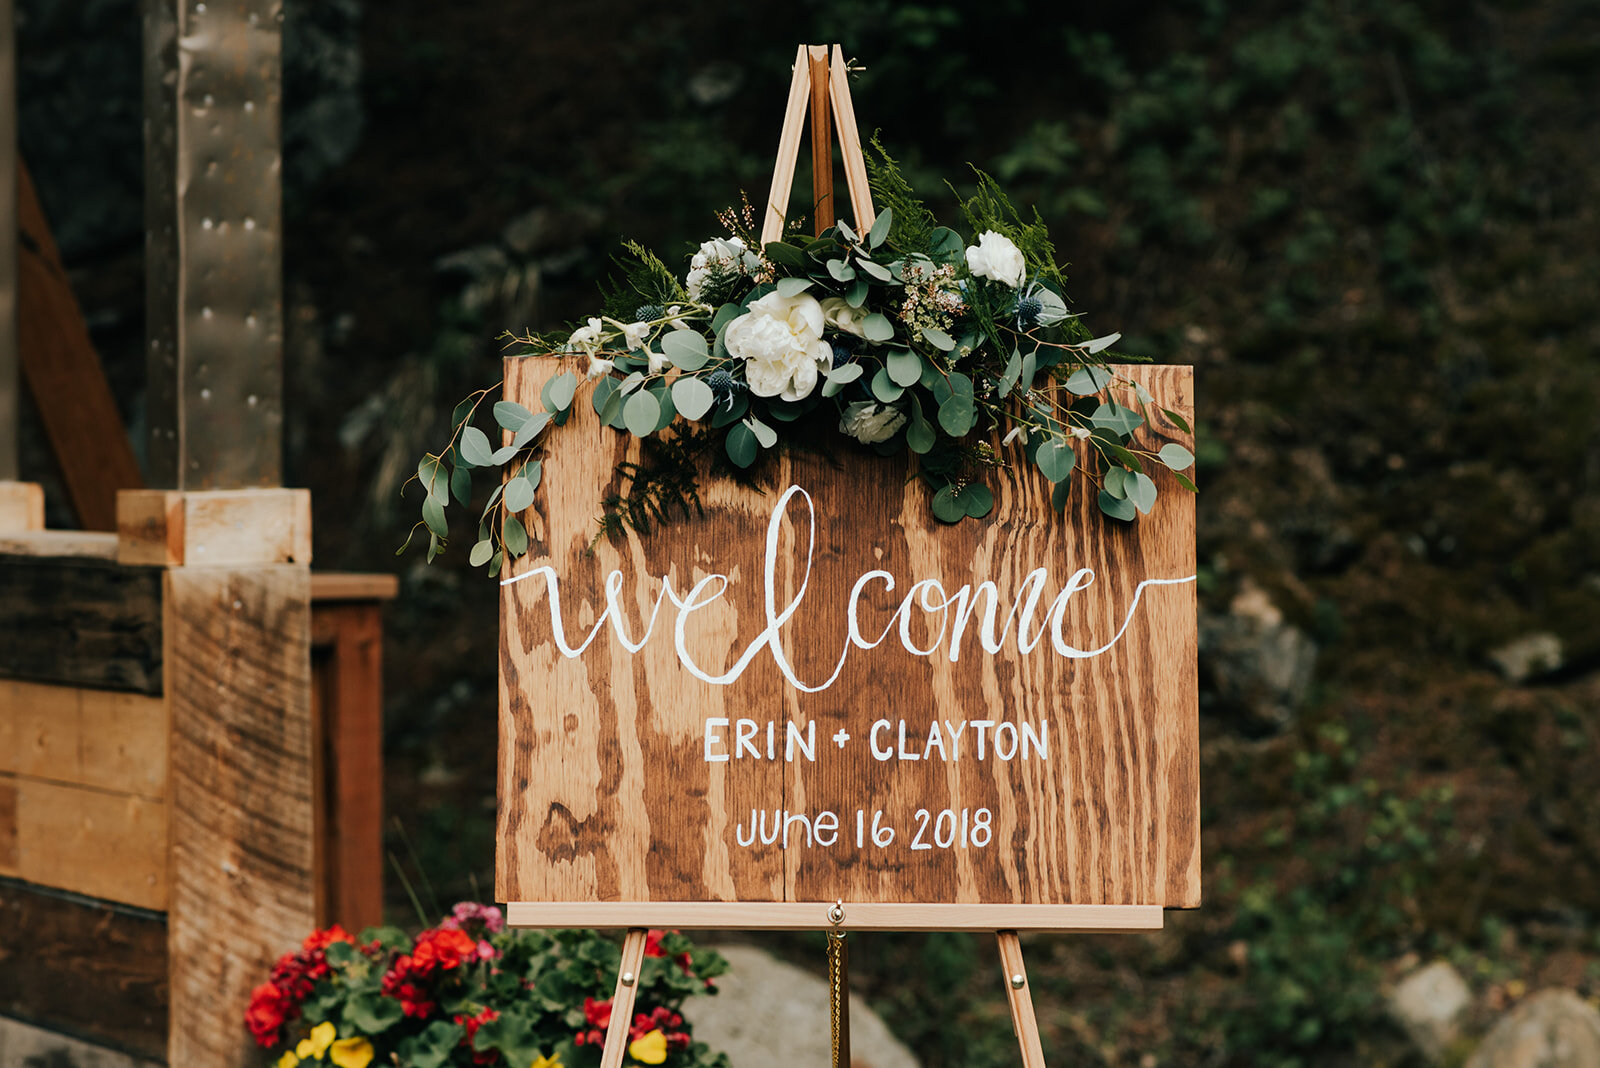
(29, 1046)
(90, 968)
(238, 648)
(90, 544)
(21, 505)
(106, 739)
(220, 528)
(1086, 789)
(88, 841)
(80, 622)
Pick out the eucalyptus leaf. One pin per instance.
(435, 482)
(1055, 459)
(461, 485)
(1176, 456)
(1013, 371)
(841, 271)
(947, 507)
(858, 293)
(511, 415)
(877, 327)
(502, 454)
(1117, 419)
(631, 383)
(880, 228)
(462, 411)
(783, 254)
(480, 556)
(1141, 491)
(977, 499)
(433, 516)
(1143, 394)
(519, 494)
(845, 373)
(765, 435)
(514, 536)
(920, 435)
(1060, 495)
(558, 392)
(957, 414)
(686, 349)
(884, 388)
(692, 397)
(876, 270)
(1185, 482)
(611, 411)
(642, 413)
(938, 338)
(741, 444)
(1087, 380)
(945, 245)
(1100, 344)
(533, 471)
(904, 367)
(725, 315)
(793, 287)
(494, 562)
(1177, 420)
(601, 393)
(1116, 481)
(1115, 507)
(475, 447)
(529, 430)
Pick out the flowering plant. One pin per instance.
(910, 337)
(471, 992)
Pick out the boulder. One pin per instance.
(1552, 1029)
(1529, 657)
(1258, 666)
(1428, 1005)
(768, 1011)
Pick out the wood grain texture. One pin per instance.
(90, 968)
(214, 528)
(96, 842)
(605, 793)
(242, 886)
(106, 739)
(21, 507)
(86, 544)
(1020, 997)
(64, 375)
(794, 120)
(80, 622)
(794, 915)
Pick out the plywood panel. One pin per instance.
(1068, 778)
(107, 739)
(238, 647)
(94, 969)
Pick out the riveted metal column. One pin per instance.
(213, 211)
(10, 381)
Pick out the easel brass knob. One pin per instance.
(1018, 981)
(627, 978)
(836, 913)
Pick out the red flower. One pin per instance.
(317, 941)
(472, 1023)
(269, 1009)
(597, 1014)
(404, 981)
(652, 943)
(445, 950)
(293, 976)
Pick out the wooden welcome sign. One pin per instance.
(819, 693)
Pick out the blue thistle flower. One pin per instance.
(648, 313)
(724, 387)
(843, 349)
(1027, 310)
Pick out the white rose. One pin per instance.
(837, 313)
(994, 256)
(586, 338)
(780, 340)
(870, 422)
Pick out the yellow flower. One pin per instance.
(351, 1053)
(313, 1046)
(552, 1061)
(650, 1049)
(289, 1059)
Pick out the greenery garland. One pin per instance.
(911, 337)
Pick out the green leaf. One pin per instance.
(793, 287)
(514, 536)
(1141, 491)
(481, 553)
(845, 373)
(1060, 495)
(947, 507)
(1183, 480)
(1013, 371)
(558, 392)
(686, 349)
(783, 254)
(1115, 507)
(519, 494)
(945, 245)
(1143, 394)
(642, 414)
(1116, 481)
(372, 1014)
(880, 228)
(511, 415)
(433, 516)
(1117, 419)
(461, 485)
(904, 367)
(433, 1047)
(1177, 420)
(877, 327)
(631, 383)
(884, 388)
(435, 482)
(494, 562)
(533, 471)
(692, 397)
(741, 444)
(977, 499)
(475, 447)
(938, 339)
(601, 393)
(1087, 380)
(502, 454)
(1176, 456)
(1055, 459)
(876, 270)
(858, 293)
(841, 271)
(462, 410)
(611, 413)
(1100, 344)
(725, 315)
(920, 435)
(529, 431)
(957, 414)
(765, 435)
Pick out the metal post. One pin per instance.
(213, 212)
(10, 380)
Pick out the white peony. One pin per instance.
(870, 422)
(586, 338)
(726, 251)
(994, 256)
(780, 340)
(837, 313)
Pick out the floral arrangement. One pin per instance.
(471, 992)
(907, 338)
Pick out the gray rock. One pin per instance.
(1428, 1005)
(1529, 656)
(1552, 1029)
(1258, 665)
(769, 1011)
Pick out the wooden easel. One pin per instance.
(820, 82)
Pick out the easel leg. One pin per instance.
(1022, 1018)
(622, 1000)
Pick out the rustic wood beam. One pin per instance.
(10, 401)
(213, 211)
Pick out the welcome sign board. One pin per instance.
(816, 692)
